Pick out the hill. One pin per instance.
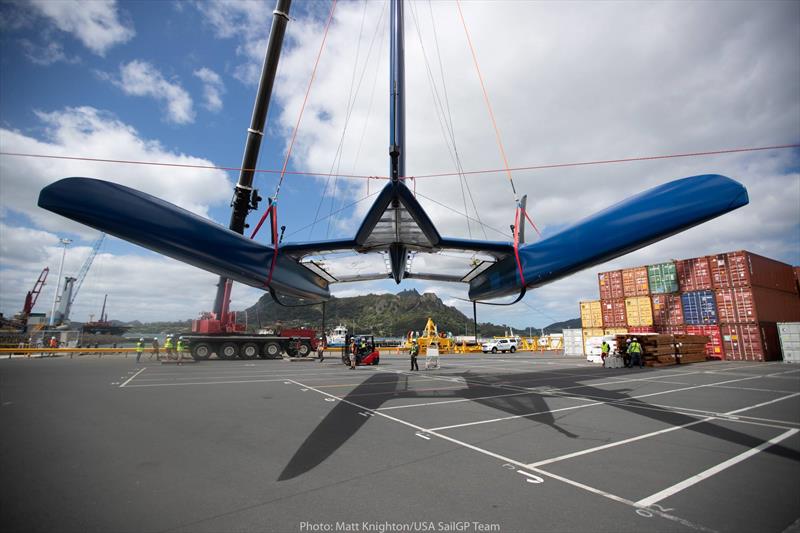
(389, 315)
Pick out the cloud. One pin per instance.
(140, 78)
(567, 82)
(88, 132)
(96, 24)
(46, 54)
(213, 88)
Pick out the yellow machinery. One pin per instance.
(431, 335)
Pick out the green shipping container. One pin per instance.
(663, 278)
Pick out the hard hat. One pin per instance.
(180, 338)
(155, 338)
(141, 340)
(637, 340)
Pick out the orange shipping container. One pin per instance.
(634, 282)
(614, 313)
(610, 285)
(639, 311)
(591, 314)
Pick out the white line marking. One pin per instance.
(204, 383)
(669, 491)
(762, 404)
(512, 461)
(133, 376)
(504, 418)
(531, 477)
(422, 436)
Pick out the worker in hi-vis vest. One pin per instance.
(139, 349)
(168, 346)
(635, 349)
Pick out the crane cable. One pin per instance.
(272, 208)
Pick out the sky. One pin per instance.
(175, 82)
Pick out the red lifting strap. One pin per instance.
(517, 221)
(274, 224)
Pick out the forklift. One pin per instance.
(366, 352)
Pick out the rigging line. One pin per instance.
(440, 112)
(462, 214)
(488, 104)
(539, 311)
(351, 100)
(375, 177)
(378, 63)
(452, 128)
(296, 127)
(613, 161)
(348, 206)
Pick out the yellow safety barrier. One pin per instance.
(72, 351)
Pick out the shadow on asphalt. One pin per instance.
(343, 421)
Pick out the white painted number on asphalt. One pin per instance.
(366, 414)
(509, 467)
(422, 436)
(330, 399)
(530, 478)
(303, 390)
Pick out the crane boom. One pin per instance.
(86, 266)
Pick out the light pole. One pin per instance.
(65, 243)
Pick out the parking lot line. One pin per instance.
(669, 491)
(133, 376)
(654, 433)
(423, 432)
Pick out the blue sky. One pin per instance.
(175, 82)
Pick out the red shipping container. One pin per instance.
(610, 285)
(671, 330)
(756, 304)
(797, 278)
(614, 315)
(693, 274)
(751, 342)
(641, 329)
(667, 310)
(743, 269)
(635, 282)
(714, 347)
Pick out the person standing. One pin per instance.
(414, 353)
(155, 350)
(168, 347)
(139, 349)
(353, 350)
(635, 349)
(626, 357)
(180, 346)
(605, 349)
(321, 349)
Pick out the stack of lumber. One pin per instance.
(665, 350)
(690, 348)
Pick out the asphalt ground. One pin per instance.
(522, 442)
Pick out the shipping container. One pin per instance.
(693, 274)
(641, 329)
(699, 308)
(667, 309)
(589, 333)
(591, 314)
(615, 331)
(663, 278)
(634, 282)
(714, 346)
(744, 269)
(789, 335)
(671, 330)
(573, 342)
(639, 311)
(610, 285)
(797, 278)
(614, 313)
(757, 304)
(750, 342)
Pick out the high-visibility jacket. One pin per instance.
(605, 348)
(635, 347)
(414, 349)
(139, 347)
(180, 345)
(168, 344)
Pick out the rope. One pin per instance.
(297, 124)
(503, 233)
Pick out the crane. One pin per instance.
(73, 285)
(32, 296)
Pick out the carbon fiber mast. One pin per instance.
(397, 128)
(245, 198)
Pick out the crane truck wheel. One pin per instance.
(272, 350)
(201, 351)
(304, 349)
(249, 350)
(229, 350)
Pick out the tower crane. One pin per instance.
(73, 285)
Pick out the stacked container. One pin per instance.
(753, 293)
(734, 298)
